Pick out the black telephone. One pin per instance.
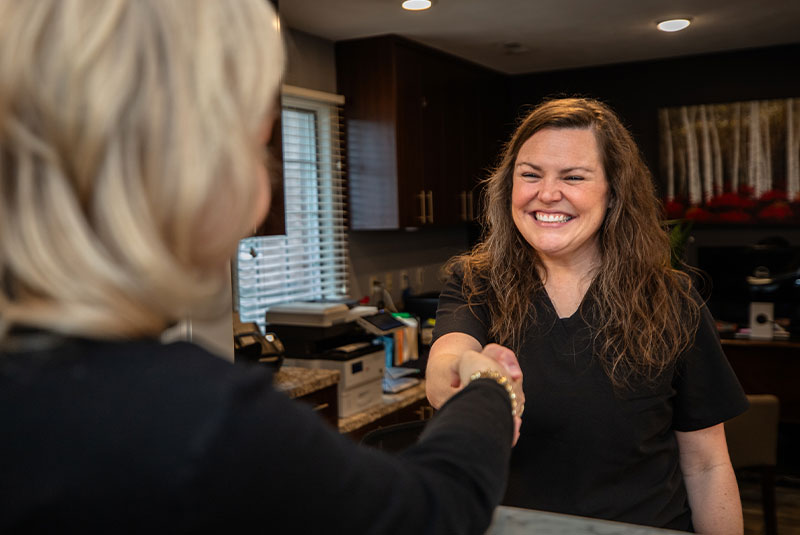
(254, 347)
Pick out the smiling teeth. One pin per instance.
(552, 218)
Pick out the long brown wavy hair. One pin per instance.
(644, 315)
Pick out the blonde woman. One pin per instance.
(626, 383)
(131, 162)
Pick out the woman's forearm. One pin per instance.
(710, 481)
(438, 378)
(715, 501)
(441, 374)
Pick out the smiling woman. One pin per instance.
(619, 356)
(560, 194)
(621, 218)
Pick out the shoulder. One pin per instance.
(143, 372)
(175, 358)
(184, 368)
(163, 408)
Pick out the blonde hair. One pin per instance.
(645, 315)
(129, 157)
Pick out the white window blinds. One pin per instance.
(310, 261)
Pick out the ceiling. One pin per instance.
(520, 36)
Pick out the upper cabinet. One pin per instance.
(423, 128)
(275, 222)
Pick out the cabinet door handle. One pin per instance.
(421, 196)
(430, 206)
(321, 406)
(424, 413)
(471, 211)
(463, 196)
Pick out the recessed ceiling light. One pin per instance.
(416, 5)
(673, 25)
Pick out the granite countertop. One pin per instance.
(516, 521)
(297, 382)
(389, 404)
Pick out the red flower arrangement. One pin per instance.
(737, 207)
(777, 211)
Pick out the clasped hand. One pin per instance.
(492, 357)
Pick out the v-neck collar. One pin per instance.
(568, 334)
(568, 319)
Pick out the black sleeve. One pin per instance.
(275, 466)
(707, 390)
(455, 315)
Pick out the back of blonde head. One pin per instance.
(129, 156)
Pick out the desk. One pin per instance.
(516, 521)
(768, 367)
(773, 367)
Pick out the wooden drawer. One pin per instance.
(324, 401)
(419, 410)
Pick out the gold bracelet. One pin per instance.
(502, 380)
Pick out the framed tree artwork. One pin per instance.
(732, 163)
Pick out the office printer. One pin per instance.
(336, 337)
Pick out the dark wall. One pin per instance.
(637, 90)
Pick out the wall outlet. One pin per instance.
(387, 281)
(373, 281)
(419, 278)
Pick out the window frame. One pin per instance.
(277, 269)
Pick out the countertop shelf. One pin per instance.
(516, 521)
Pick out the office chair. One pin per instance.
(753, 443)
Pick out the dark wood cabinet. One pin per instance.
(275, 222)
(325, 402)
(423, 127)
(419, 410)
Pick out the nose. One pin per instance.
(550, 190)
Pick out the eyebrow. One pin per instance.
(565, 170)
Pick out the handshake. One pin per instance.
(493, 357)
